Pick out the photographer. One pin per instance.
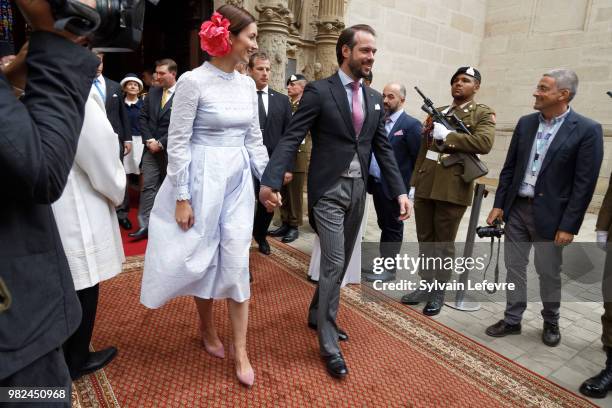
(38, 304)
(544, 190)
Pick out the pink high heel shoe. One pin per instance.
(218, 352)
(247, 379)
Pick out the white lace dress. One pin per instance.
(214, 147)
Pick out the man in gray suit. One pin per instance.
(347, 122)
(154, 122)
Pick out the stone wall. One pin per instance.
(525, 38)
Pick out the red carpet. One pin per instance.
(397, 357)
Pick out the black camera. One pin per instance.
(491, 231)
(114, 25)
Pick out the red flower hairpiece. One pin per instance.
(214, 36)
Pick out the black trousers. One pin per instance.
(76, 348)
(263, 218)
(48, 371)
(606, 286)
(387, 214)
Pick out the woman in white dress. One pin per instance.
(202, 219)
(87, 223)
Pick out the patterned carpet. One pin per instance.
(396, 356)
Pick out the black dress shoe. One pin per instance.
(551, 335)
(96, 361)
(280, 231)
(141, 233)
(386, 276)
(598, 386)
(291, 235)
(264, 247)
(342, 336)
(336, 366)
(434, 304)
(125, 223)
(502, 329)
(416, 297)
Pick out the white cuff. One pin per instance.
(182, 193)
(411, 194)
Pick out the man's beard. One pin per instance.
(355, 67)
(390, 111)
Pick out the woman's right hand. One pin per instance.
(184, 214)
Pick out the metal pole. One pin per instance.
(461, 301)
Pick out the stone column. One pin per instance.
(329, 24)
(273, 26)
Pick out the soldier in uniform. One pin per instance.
(598, 386)
(440, 194)
(293, 193)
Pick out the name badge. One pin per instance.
(431, 155)
(531, 180)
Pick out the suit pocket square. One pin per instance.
(115, 96)
(377, 107)
(399, 133)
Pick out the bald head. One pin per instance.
(394, 96)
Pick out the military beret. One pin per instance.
(296, 77)
(471, 71)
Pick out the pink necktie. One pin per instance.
(357, 110)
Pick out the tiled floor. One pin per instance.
(579, 355)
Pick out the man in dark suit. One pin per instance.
(154, 122)
(404, 133)
(292, 210)
(274, 117)
(39, 307)
(544, 190)
(112, 95)
(346, 121)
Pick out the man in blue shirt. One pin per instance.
(544, 190)
(404, 134)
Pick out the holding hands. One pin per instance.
(270, 199)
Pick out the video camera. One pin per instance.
(113, 26)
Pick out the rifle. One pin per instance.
(473, 167)
(437, 116)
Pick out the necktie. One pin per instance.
(357, 110)
(100, 91)
(164, 98)
(387, 125)
(262, 110)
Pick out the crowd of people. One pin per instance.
(218, 146)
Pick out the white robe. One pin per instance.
(85, 213)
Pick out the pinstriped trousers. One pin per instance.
(337, 217)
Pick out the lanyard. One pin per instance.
(542, 141)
